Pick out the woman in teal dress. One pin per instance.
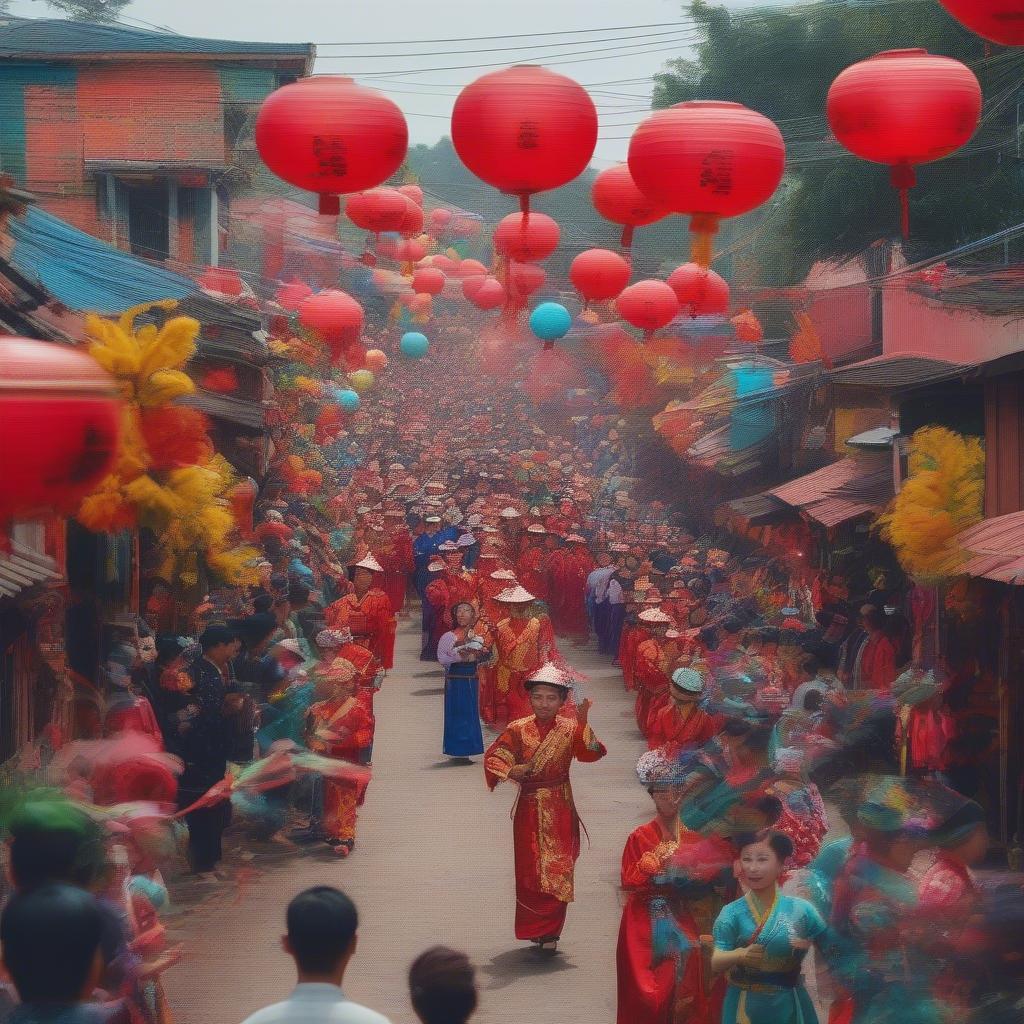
(762, 938)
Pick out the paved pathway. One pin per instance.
(433, 864)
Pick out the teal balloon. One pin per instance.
(550, 321)
(414, 345)
(348, 399)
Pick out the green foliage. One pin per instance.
(101, 11)
(781, 62)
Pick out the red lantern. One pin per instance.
(331, 136)
(409, 250)
(710, 160)
(412, 222)
(466, 227)
(413, 192)
(701, 292)
(440, 219)
(443, 263)
(527, 237)
(599, 274)
(290, 296)
(902, 108)
(470, 268)
(616, 198)
(60, 420)
(380, 209)
(748, 327)
(524, 130)
(488, 294)
(648, 305)
(1001, 21)
(429, 280)
(524, 279)
(334, 316)
(222, 280)
(242, 499)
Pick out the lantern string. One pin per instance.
(903, 179)
(627, 240)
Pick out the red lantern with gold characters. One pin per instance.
(903, 108)
(616, 197)
(328, 135)
(526, 237)
(60, 420)
(708, 159)
(1000, 21)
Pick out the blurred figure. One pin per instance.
(442, 986)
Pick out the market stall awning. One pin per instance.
(755, 509)
(898, 372)
(22, 567)
(994, 549)
(839, 492)
(240, 411)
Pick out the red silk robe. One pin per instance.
(632, 636)
(532, 571)
(367, 667)
(397, 561)
(371, 617)
(681, 729)
(651, 678)
(340, 729)
(672, 990)
(545, 825)
(522, 646)
(568, 580)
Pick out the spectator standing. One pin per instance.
(442, 986)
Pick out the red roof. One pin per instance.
(841, 491)
(994, 549)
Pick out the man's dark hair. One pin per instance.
(442, 986)
(298, 594)
(262, 603)
(874, 618)
(51, 842)
(214, 636)
(50, 938)
(322, 923)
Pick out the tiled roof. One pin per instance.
(898, 372)
(841, 491)
(994, 549)
(54, 37)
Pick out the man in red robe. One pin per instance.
(652, 668)
(682, 725)
(567, 574)
(875, 665)
(367, 611)
(395, 555)
(522, 643)
(537, 752)
(532, 565)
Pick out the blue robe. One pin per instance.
(463, 736)
(424, 547)
(773, 993)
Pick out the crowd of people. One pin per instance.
(517, 536)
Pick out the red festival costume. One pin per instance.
(370, 617)
(522, 646)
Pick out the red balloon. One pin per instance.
(330, 136)
(380, 209)
(526, 237)
(224, 280)
(648, 305)
(429, 280)
(708, 159)
(60, 417)
(290, 296)
(524, 129)
(413, 192)
(1001, 21)
(616, 198)
(524, 279)
(412, 222)
(701, 292)
(902, 108)
(490, 294)
(470, 268)
(334, 316)
(599, 274)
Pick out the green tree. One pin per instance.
(104, 12)
(781, 62)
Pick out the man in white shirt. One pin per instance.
(321, 939)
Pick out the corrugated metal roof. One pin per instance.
(898, 372)
(841, 491)
(756, 508)
(22, 568)
(225, 407)
(84, 273)
(994, 549)
(54, 37)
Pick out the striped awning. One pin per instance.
(839, 492)
(21, 568)
(994, 549)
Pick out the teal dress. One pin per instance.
(773, 993)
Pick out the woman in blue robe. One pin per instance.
(460, 651)
(761, 940)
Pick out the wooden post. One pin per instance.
(173, 239)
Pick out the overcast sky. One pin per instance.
(618, 73)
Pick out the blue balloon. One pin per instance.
(348, 399)
(414, 345)
(550, 321)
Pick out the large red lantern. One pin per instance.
(648, 305)
(330, 136)
(903, 108)
(599, 274)
(524, 130)
(380, 209)
(617, 198)
(334, 316)
(413, 192)
(485, 293)
(412, 222)
(1001, 21)
(526, 237)
(60, 420)
(470, 268)
(701, 292)
(292, 294)
(428, 280)
(708, 159)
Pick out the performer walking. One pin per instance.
(460, 651)
(537, 752)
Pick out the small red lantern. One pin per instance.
(443, 263)
(439, 219)
(526, 237)
(330, 136)
(470, 268)
(380, 209)
(60, 420)
(429, 280)
(524, 130)
(648, 305)
(291, 295)
(466, 227)
(902, 108)
(1001, 21)
(410, 250)
(242, 499)
(334, 316)
(413, 192)
(412, 222)
(523, 280)
(616, 198)
(599, 274)
(486, 293)
(710, 160)
(701, 292)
